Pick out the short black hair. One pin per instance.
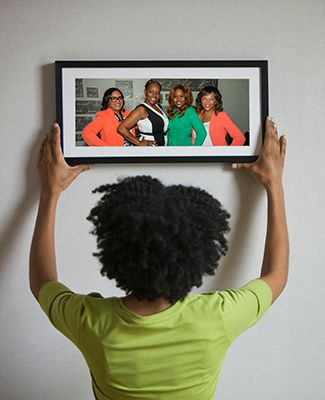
(152, 82)
(156, 240)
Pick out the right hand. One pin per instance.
(145, 142)
(268, 168)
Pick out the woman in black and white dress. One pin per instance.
(150, 118)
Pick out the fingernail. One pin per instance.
(234, 166)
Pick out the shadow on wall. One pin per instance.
(30, 196)
(249, 195)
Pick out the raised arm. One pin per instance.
(55, 176)
(268, 171)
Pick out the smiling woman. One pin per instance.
(103, 130)
(150, 118)
(217, 122)
(183, 119)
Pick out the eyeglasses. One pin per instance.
(115, 99)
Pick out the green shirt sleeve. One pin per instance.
(243, 307)
(63, 308)
(200, 131)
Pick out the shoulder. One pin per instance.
(105, 113)
(221, 118)
(244, 306)
(141, 110)
(191, 110)
(142, 107)
(222, 115)
(56, 295)
(205, 302)
(191, 113)
(194, 117)
(53, 291)
(238, 309)
(256, 291)
(96, 304)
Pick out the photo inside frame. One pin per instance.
(89, 95)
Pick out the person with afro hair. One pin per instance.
(159, 341)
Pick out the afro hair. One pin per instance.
(155, 240)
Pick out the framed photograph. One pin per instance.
(161, 111)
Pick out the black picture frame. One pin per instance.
(71, 77)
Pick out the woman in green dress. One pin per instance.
(183, 119)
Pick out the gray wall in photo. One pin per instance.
(283, 356)
(235, 99)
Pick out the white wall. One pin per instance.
(283, 356)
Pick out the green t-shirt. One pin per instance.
(179, 131)
(174, 354)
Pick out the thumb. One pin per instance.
(283, 146)
(80, 168)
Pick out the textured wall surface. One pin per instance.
(282, 357)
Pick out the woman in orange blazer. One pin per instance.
(216, 121)
(107, 121)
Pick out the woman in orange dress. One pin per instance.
(216, 121)
(102, 131)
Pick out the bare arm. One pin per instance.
(276, 252)
(55, 176)
(129, 123)
(268, 171)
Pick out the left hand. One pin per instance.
(146, 142)
(55, 174)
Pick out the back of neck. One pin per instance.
(145, 307)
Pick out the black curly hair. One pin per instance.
(155, 240)
(152, 82)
